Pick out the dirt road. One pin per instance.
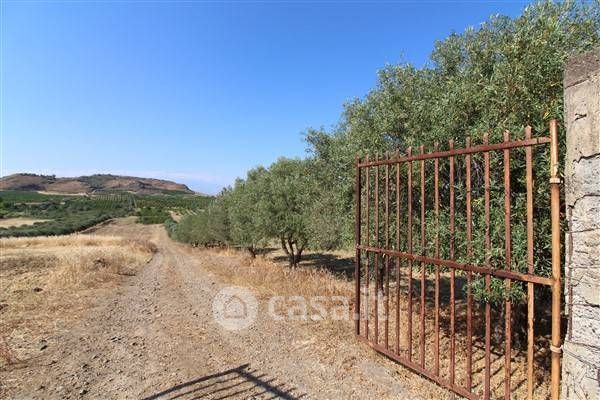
(154, 337)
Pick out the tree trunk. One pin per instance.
(291, 254)
(294, 253)
(252, 251)
(283, 245)
(298, 255)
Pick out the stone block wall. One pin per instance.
(581, 350)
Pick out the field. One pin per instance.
(45, 282)
(24, 213)
(88, 316)
(19, 221)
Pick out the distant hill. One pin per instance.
(104, 183)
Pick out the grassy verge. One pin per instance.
(45, 281)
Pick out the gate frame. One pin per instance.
(530, 278)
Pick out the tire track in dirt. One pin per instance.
(154, 337)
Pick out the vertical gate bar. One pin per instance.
(507, 260)
(422, 312)
(452, 271)
(530, 292)
(398, 249)
(376, 330)
(387, 246)
(410, 249)
(488, 249)
(357, 228)
(469, 273)
(555, 215)
(437, 267)
(368, 235)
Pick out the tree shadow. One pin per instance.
(241, 382)
(340, 266)
(266, 250)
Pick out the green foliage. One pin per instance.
(64, 214)
(272, 203)
(503, 75)
(67, 214)
(152, 215)
(3, 210)
(288, 198)
(191, 229)
(498, 291)
(245, 202)
(219, 225)
(204, 227)
(173, 201)
(19, 196)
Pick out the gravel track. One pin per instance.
(154, 337)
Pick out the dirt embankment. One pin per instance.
(151, 334)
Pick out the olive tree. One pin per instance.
(247, 225)
(287, 203)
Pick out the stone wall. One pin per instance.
(581, 350)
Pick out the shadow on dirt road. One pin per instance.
(234, 383)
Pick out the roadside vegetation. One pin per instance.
(502, 75)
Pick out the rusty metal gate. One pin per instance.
(448, 306)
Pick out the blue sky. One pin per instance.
(197, 92)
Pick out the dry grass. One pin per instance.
(46, 281)
(62, 241)
(80, 194)
(19, 221)
(398, 333)
(175, 215)
(273, 278)
(74, 260)
(270, 278)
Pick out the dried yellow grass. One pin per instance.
(57, 241)
(273, 278)
(75, 260)
(43, 277)
(268, 277)
(87, 266)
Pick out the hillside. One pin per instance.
(91, 184)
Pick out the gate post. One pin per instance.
(357, 241)
(581, 368)
(556, 270)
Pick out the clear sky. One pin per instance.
(197, 92)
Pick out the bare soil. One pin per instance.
(152, 335)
